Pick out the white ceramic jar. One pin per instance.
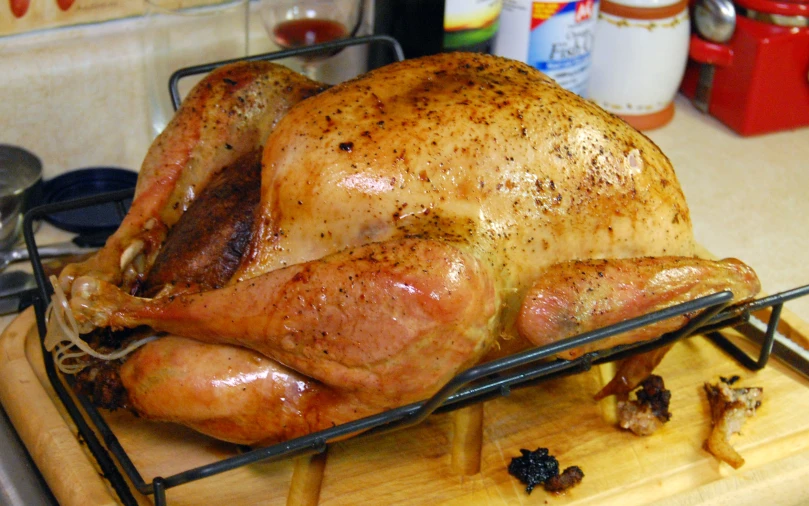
(640, 51)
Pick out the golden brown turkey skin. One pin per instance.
(231, 393)
(226, 116)
(480, 151)
(577, 297)
(390, 322)
(405, 215)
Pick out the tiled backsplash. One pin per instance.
(76, 96)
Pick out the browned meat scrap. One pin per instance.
(651, 409)
(730, 408)
(570, 477)
(197, 256)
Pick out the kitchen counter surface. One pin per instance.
(747, 195)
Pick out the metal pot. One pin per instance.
(20, 189)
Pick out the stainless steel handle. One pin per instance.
(47, 251)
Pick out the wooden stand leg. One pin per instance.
(608, 405)
(307, 476)
(467, 439)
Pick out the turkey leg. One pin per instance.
(576, 297)
(391, 321)
(231, 393)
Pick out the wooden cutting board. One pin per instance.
(413, 466)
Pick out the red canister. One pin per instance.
(761, 79)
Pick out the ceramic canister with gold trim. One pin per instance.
(640, 50)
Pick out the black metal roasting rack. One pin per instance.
(483, 382)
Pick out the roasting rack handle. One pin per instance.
(277, 55)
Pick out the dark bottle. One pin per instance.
(425, 27)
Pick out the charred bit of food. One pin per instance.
(100, 380)
(570, 477)
(539, 467)
(651, 409)
(102, 383)
(730, 408)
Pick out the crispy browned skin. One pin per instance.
(204, 248)
(226, 116)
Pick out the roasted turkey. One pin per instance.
(309, 256)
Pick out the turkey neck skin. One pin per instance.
(482, 152)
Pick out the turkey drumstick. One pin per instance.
(387, 321)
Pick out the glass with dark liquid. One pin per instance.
(293, 24)
(306, 32)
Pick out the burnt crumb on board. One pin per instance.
(730, 408)
(649, 411)
(561, 482)
(539, 467)
(533, 468)
(730, 381)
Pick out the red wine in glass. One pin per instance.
(308, 31)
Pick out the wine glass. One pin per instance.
(299, 23)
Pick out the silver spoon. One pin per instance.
(77, 246)
(715, 21)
